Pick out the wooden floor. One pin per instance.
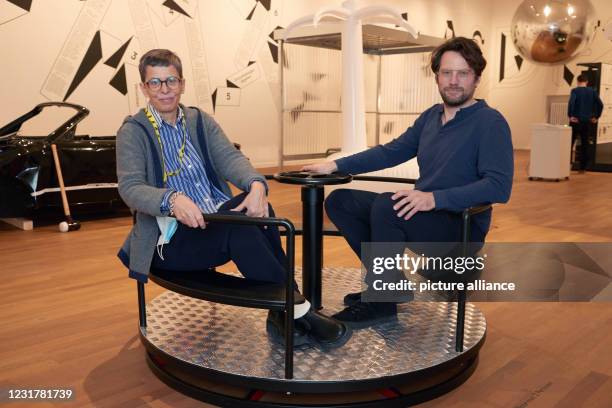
(68, 311)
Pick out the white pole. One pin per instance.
(353, 105)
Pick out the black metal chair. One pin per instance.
(217, 287)
(466, 217)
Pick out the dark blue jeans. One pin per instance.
(364, 216)
(257, 252)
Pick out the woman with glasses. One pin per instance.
(173, 165)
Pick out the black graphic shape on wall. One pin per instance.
(273, 51)
(214, 100)
(266, 3)
(449, 26)
(271, 35)
(91, 58)
(502, 61)
(22, 4)
(519, 61)
(478, 34)
(251, 63)
(568, 75)
(115, 59)
(230, 84)
(405, 16)
(317, 76)
(171, 4)
(252, 11)
(285, 60)
(388, 128)
(307, 97)
(297, 111)
(13, 14)
(119, 81)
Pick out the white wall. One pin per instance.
(32, 43)
(521, 95)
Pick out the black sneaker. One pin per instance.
(365, 314)
(355, 297)
(275, 326)
(352, 298)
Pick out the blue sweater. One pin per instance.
(467, 162)
(584, 104)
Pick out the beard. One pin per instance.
(458, 99)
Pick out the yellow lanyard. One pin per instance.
(161, 146)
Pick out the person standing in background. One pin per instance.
(583, 109)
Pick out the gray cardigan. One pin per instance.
(140, 177)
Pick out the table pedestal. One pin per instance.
(312, 231)
(312, 243)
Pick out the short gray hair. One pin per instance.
(159, 58)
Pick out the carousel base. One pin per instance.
(222, 354)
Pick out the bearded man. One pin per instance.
(465, 156)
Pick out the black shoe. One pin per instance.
(275, 326)
(365, 314)
(352, 298)
(326, 331)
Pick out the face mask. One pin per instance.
(167, 228)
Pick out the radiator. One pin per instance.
(558, 114)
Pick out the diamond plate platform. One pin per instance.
(233, 340)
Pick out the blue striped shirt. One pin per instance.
(191, 179)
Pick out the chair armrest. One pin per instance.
(264, 221)
(369, 178)
(386, 179)
(246, 220)
(466, 216)
(468, 212)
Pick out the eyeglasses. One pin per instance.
(461, 73)
(171, 82)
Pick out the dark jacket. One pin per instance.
(584, 104)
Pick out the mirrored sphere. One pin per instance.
(553, 31)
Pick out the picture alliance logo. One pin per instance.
(412, 264)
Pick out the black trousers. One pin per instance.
(585, 130)
(257, 252)
(364, 216)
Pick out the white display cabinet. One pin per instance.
(550, 152)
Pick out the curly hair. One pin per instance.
(468, 49)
